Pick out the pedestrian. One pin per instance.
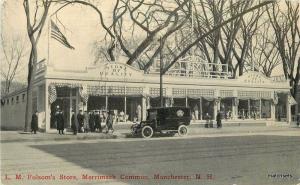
(109, 122)
(219, 119)
(92, 121)
(97, 122)
(34, 122)
(86, 122)
(80, 119)
(74, 124)
(60, 122)
(207, 118)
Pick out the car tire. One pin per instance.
(182, 130)
(147, 132)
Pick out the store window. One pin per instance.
(17, 99)
(265, 108)
(63, 91)
(12, 100)
(281, 107)
(243, 112)
(207, 108)
(254, 109)
(73, 91)
(226, 107)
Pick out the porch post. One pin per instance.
(47, 108)
(186, 101)
(215, 101)
(288, 110)
(273, 110)
(200, 108)
(249, 108)
(259, 109)
(106, 102)
(125, 105)
(234, 110)
(144, 108)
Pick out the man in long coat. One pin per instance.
(219, 119)
(60, 123)
(80, 119)
(34, 122)
(97, 122)
(92, 121)
(109, 122)
(74, 124)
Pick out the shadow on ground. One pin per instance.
(147, 157)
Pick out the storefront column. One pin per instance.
(47, 108)
(259, 109)
(249, 109)
(186, 101)
(273, 110)
(288, 110)
(144, 108)
(235, 105)
(200, 108)
(216, 106)
(106, 102)
(125, 105)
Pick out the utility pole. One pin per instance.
(161, 74)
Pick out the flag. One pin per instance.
(59, 36)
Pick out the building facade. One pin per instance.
(127, 90)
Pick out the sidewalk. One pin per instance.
(123, 131)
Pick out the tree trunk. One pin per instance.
(30, 81)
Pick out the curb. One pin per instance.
(123, 134)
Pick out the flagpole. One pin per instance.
(49, 30)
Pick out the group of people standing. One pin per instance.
(209, 122)
(91, 122)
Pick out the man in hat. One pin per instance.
(60, 122)
(97, 122)
(80, 119)
(74, 124)
(92, 121)
(34, 122)
(219, 119)
(109, 121)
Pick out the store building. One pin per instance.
(127, 90)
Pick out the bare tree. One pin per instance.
(13, 54)
(36, 13)
(218, 46)
(285, 23)
(194, 42)
(263, 55)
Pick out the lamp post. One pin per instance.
(161, 74)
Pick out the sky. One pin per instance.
(80, 26)
(82, 29)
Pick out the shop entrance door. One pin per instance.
(64, 105)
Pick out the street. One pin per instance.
(241, 160)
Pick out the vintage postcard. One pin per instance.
(170, 92)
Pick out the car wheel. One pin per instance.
(147, 132)
(182, 130)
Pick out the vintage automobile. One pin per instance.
(165, 120)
